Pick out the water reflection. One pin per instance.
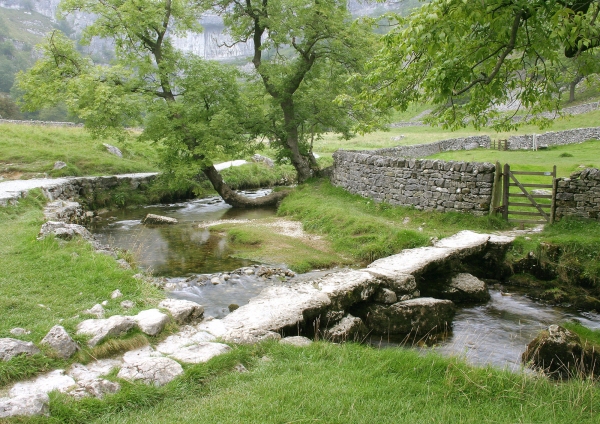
(177, 250)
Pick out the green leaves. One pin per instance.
(470, 58)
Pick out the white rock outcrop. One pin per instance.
(10, 348)
(182, 311)
(100, 329)
(151, 370)
(151, 321)
(60, 341)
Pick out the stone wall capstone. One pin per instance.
(424, 184)
(579, 195)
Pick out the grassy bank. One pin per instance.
(49, 282)
(357, 230)
(345, 383)
(28, 151)
(567, 159)
(561, 264)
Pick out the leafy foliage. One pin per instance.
(468, 58)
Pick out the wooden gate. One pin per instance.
(519, 201)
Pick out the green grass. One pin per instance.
(587, 335)
(49, 282)
(28, 151)
(421, 135)
(366, 230)
(332, 383)
(567, 159)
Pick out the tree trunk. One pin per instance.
(232, 198)
(301, 163)
(572, 86)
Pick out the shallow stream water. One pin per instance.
(493, 333)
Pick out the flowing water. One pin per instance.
(493, 333)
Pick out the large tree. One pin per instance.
(304, 52)
(471, 57)
(194, 108)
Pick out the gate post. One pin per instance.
(553, 205)
(505, 181)
(496, 190)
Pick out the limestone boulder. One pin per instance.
(417, 316)
(263, 159)
(27, 406)
(10, 348)
(182, 311)
(151, 370)
(113, 150)
(152, 219)
(100, 329)
(94, 369)
(60, 341)
(65, 231)
(298, 341)
(151, 321)
(350, 328)
(466, 288)
(196, 353)
(386, 296)
(560, 353)
(97, 388)
(347, 288)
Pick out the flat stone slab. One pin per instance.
(54, 380)
(416, 261)
(150, 370)
(19, 406)
(100, 329)
(10, 348)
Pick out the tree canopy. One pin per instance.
(471, 57)
(304, 54)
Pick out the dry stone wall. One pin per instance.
(559, 138)
(424, 184)
(424, 150)
(579, 195)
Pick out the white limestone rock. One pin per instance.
(199, 352)
(93, 370)
(116, 293)
(10, 348)
(298, 341)
(350, 328)
(97, 310)
(100, 329)
(182, 311)
(28, 406)
(151, 321)
(45, 383)
(113, 150)
(466, 288)
(60, 341)
(127, 304)
(152, 219)
(386, 296)
(416, 316)
(97, 388)
(59, 164)
(139, 354)
(154, 371)
(18, 331)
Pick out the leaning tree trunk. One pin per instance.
(234, 199)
